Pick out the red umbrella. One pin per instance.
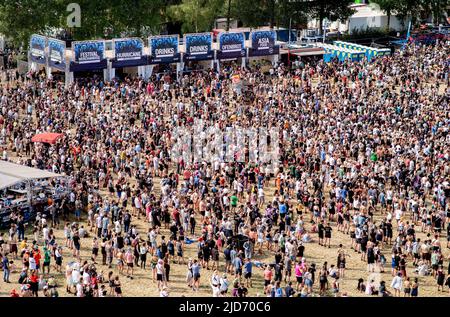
(47, 137)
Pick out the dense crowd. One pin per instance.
(364, 151)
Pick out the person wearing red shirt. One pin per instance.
(37, 258)
(176, 216)
(34, 283)
(186, 175)
(94, 284)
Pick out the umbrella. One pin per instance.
(47, 137)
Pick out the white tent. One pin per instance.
(11, 174)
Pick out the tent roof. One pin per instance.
(11, 174)
(47, 137)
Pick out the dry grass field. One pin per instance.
(143, 286)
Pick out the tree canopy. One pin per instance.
(114, 18)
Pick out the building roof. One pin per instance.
(368, 11)
(11, 174)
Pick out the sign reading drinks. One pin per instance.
(198, 47)
(263, 43)
(89, 52)
(231, 45)
(57, 54)
(37, 48)
(164, 49)
(128, 49)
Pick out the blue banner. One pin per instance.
(37, 48)
(89, 52)
(57, 54)
(263, 43)
(164, 49)
(88, 56)
(198, 47)
(231, 45)
(128, 53)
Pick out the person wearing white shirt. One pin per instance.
(80, 292)
(45, 233)
(224, 284)
(215, 284)
(397, 284)
(86, 278)
(398, 214)
(32, 263)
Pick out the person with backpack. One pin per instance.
(126, 221)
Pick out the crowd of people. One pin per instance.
(364, 154)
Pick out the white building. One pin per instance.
(366, 16)
(369, 16)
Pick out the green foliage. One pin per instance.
(99, 19)
(196, 15)
(366, 33)
(255, 13)
(331, 10)
(251, 13)
(21, 18)
(115, 18)
(292, 12)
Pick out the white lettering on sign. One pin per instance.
(88, 57)
(128, 55)
(162, 52)
(56, 56)
(37, 52)
(231, 47)
(198, 49)
(263, 43)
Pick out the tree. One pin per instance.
(332, 10)
(410, 9)
(136, 17)
(292, 13)
(21, 18)
(196, 15)
(228, 15)
(252, 13)
(387, 6)
(437, 8)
